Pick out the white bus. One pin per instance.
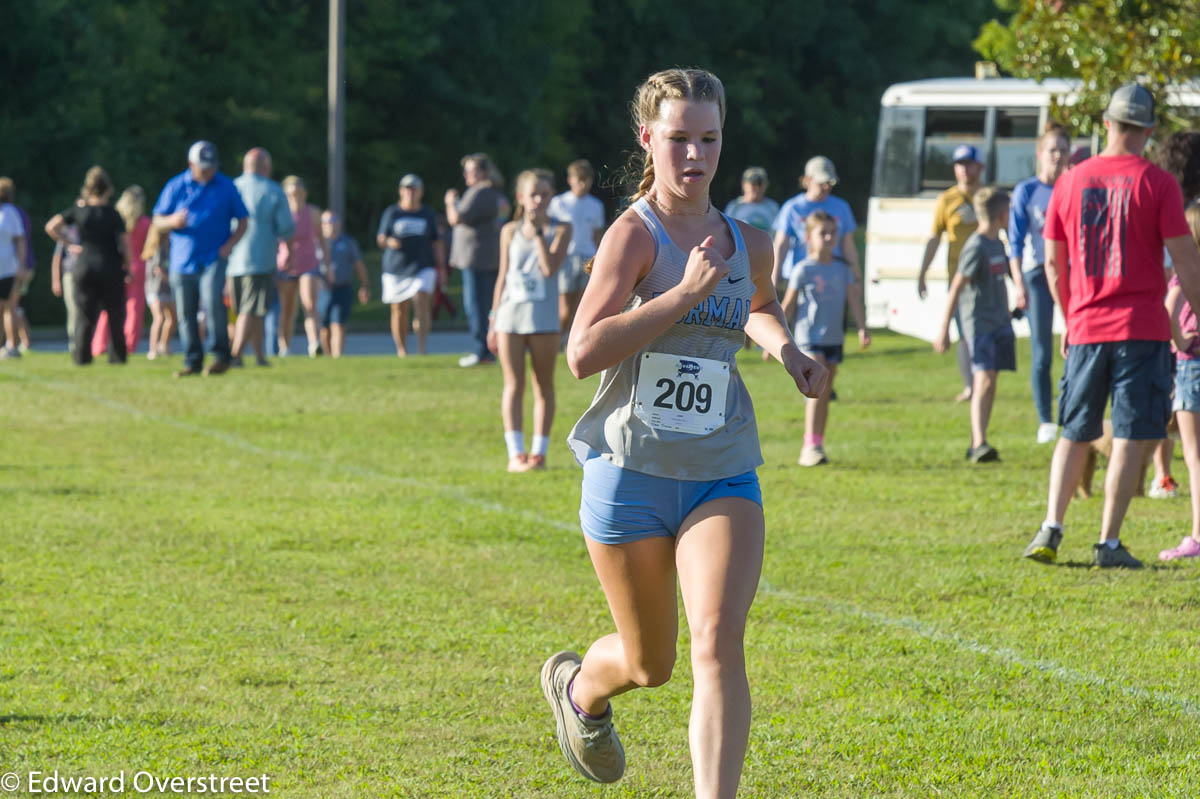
(920, 124)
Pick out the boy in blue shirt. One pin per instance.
(818, 290)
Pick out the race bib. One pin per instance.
(681, 393)
(527, 287)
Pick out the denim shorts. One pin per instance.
(335, 305)
(994, 352)
(1136, 374)
(832, 353)
(1187, 385)
(620, 506)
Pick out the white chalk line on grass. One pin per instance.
(915, 626)
(237, 442)
(1001, 653)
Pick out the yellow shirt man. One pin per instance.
(954, 215)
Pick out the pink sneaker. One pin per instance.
(1188, 548)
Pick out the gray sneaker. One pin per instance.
(1119, 558)
(1044, 546)
(591, 746)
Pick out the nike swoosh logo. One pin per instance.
(739, 280)
(743, 483)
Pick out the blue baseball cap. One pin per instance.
(967, 152)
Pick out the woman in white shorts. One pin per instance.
(525, 315)
(413, 254)
(669, 445)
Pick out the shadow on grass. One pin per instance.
(62, 718)
(1087, 564)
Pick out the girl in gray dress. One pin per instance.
(525, 315)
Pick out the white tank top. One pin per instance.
(659, 411)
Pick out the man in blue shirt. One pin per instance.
(199, 206)
(252, 265)
(1027, 248)
(820, 177)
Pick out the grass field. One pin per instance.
(322, 573)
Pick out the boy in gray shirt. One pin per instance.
(980, 297)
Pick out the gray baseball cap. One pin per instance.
(755, 174)
(1133, 105)
(411, 181)
(820, 169)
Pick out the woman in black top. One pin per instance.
(102, 268)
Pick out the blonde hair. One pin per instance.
(1193, 218)
(154, 242)
(132, 206)
(96, 183)
(989, 201)
(816, 219)
(293, 180)
(7, 190)
(671, 84)
(526, 177)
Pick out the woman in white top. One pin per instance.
(669, 445)
(525, 315)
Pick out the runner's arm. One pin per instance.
(601, 335)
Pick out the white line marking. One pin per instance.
(926, 631)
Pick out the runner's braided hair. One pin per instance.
(669, 84)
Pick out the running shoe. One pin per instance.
(535, 462)
(467, 361)
(518, 463)
(1044, 546)
(813, 456)
(1119, 558)
(591, 746)
(1188, 548)
(1165, 488)
(984, 453)
(1047, 432)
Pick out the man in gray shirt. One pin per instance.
(475, 247)
(251, 270)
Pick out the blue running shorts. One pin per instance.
(619, 506)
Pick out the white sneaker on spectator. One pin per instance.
(1047, 432)
(468, 360)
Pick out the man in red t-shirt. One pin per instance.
(1108, 221)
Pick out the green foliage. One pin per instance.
(129, 84)
(1102, 43)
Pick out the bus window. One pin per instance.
(945, 129)
(1015, 145)
(896, 151)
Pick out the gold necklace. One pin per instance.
(662, 207)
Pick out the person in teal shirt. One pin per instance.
(251, 269)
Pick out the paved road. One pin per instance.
(366, 343)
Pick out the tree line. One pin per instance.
(129, 84)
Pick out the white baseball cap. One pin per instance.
(203, 154)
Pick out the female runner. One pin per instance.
(669, 445)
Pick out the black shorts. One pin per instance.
(6, 287)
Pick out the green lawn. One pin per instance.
(321, 572)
